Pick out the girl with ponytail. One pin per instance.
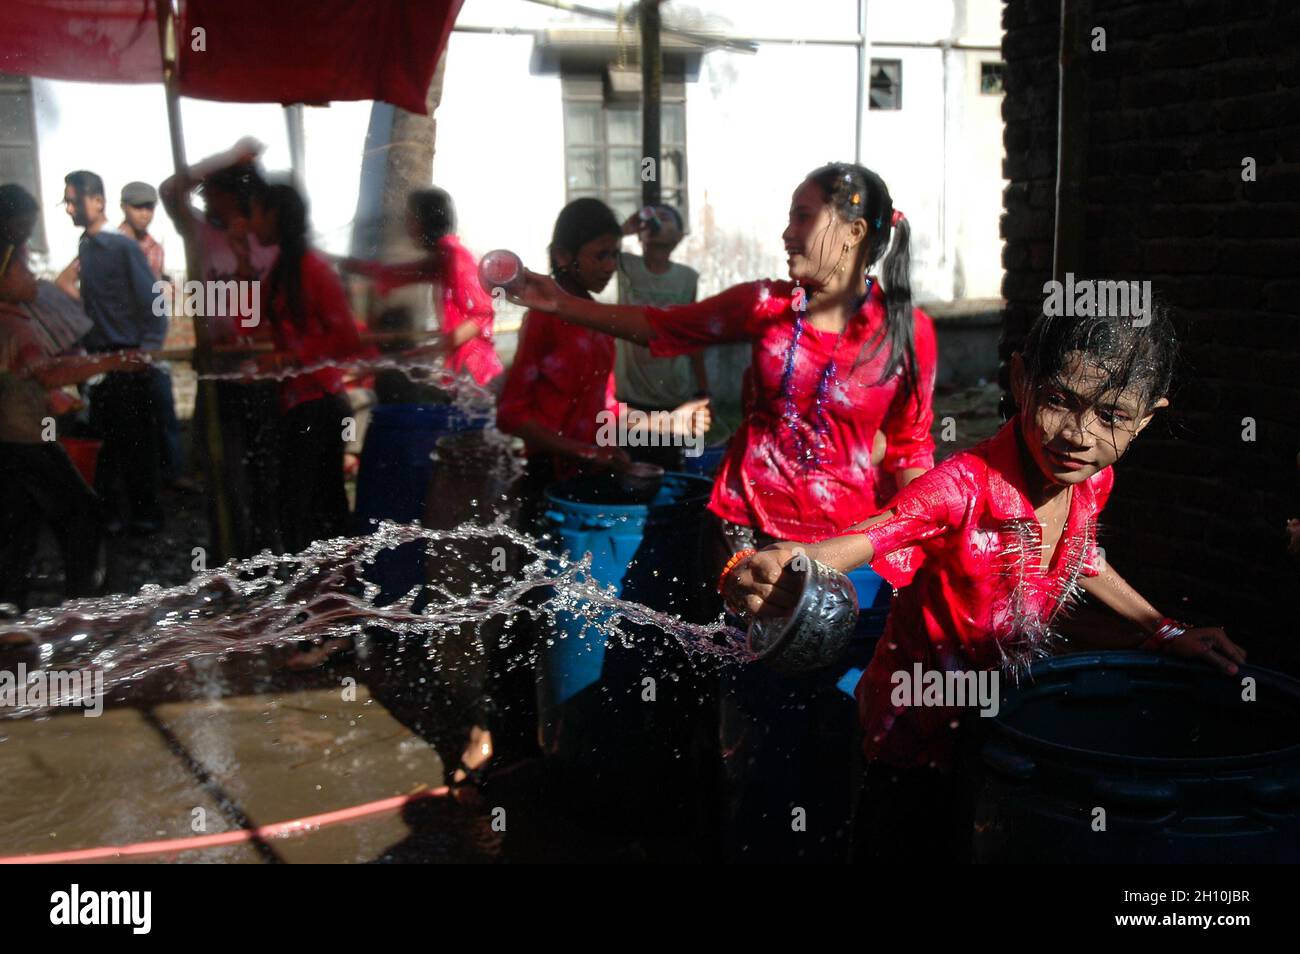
(312, 325)
(842, 364)
(839, 355)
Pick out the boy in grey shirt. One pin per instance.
(644, 382)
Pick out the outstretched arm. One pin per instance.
(1207, 643)
(934, 505)
(73, 369)
(622, 321)
(767, 584)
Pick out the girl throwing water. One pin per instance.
(839, 355)
(465, 308)
(841, 361)
(989, 548)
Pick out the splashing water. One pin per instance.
(270, 600)
(475, 400)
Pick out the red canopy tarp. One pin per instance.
(255, 51)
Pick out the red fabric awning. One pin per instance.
(256, 51)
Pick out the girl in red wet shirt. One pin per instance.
(466, 309)
(561, 383)
(836, 359)
(312, 326)
(990, 547)
(840, 359)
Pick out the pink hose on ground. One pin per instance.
(284, 829)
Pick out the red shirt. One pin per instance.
(762, 482)
(562, 378)
(452, 269)
(152, 248)
(965, 547)
(329, 333)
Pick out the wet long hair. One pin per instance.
(1141, 357)
(888, 244)
(290, 209)
(578, 223)
(435, 213)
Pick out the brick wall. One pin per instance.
(1182, 93)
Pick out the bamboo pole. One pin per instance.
(223, 530)
(652, 75)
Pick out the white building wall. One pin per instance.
(756, 124)
(500, 145)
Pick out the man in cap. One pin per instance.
(138, 202)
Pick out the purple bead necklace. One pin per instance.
(810, 455)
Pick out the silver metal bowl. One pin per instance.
(817, 632)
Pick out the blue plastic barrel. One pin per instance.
(873, 608)
(647, 552)
(1185, 768)
(393, 481)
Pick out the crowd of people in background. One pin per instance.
(280, 457)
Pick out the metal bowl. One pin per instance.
(817, 631)
(500, 268)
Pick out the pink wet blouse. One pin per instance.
(765, 482)
(454, 274)
(562, 378)
(965, 547)
(328, 334)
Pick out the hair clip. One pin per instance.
(877, 225)
(857, 197)
(898, 217)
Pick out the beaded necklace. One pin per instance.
(806, 454)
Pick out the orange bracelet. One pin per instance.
(736, 558)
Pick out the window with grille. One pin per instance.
(602, 142)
